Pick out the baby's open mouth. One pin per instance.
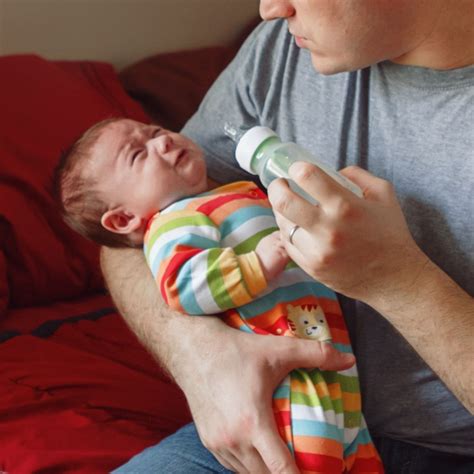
(181, 156)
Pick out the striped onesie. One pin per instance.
(201, 253)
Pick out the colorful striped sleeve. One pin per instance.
(194, 274)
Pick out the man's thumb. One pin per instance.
(313, 354)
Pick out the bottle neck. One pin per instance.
(261, 154)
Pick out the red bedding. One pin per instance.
(78, 393)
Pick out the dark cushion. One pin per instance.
(45, 107)
(171, 86)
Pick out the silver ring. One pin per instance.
(292, 233)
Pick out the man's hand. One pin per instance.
(229, 378)
(359, 247)
(272, 255)
(363, 249)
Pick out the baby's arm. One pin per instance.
(193, 273)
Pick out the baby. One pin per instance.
(218, 251)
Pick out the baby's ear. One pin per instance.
(120, 221)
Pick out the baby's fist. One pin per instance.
(272, 255)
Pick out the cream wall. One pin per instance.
(118, 31)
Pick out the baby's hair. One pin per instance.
(80, 203)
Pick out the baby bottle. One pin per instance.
(260, 151)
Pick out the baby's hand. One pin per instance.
(272, 255)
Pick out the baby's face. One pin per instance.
(144, 168)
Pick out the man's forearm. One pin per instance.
(168, 335)
(436, 317)
(234, 416)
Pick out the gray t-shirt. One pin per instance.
(412, 126)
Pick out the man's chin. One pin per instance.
(327, 66)
(324, 65)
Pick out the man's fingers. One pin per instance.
(292, 249)
(332, 359)
(252, 461)
(273, 450)
(295, 353)
(300, 238)
(371, 185)
(317, 183)
(230, 462)
(291, 205)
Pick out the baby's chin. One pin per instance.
(211, 184)
(203, 185)
(198, 187)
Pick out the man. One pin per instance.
(405, 114)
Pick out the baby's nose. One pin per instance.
(164, 144)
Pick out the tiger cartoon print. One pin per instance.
(308, 322)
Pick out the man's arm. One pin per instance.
(363, 249)
(436, 317)
(234, 417)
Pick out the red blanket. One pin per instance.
(77, 391)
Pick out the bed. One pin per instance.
(78, 393)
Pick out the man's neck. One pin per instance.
(450, 45)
